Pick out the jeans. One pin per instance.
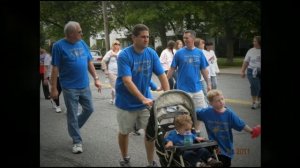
(201, 154)
(213, 80)
(254, 82)
(72, 97)
(225, 160)
(45, 87)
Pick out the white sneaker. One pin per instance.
(58, 109)
(254, 106)
(112, 101)
(53, 103)
(77, 148)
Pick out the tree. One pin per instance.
(233, 20)
(55, 14)
(159, 16)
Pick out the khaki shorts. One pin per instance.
(127, 119)
(198, 99)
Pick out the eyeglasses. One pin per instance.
(117, 44)
(80, 32)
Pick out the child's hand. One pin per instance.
(256, 131)
(200, 139)
(169, 144)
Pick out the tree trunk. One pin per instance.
(162, 33)
(105, 26)
(229, 44)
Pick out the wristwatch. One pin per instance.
(96, 78)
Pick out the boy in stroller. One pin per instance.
(200, 157)
(166, 108)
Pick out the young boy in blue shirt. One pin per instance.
(219, 121)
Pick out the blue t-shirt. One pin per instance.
(189, 63)
(72, 62)
(140, 67)
(177, 139)
(153, 86)
(219, 127)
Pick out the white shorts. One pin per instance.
(112, 80)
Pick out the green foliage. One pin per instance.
(237, 62)
(55, 14)
(243, 17)
(210, 19)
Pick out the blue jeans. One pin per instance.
(213, 80)
(254, 83)
(201, 154)
(72, 97)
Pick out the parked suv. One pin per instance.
(97, 58)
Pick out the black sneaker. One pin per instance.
(125, 162)
(202, 164)
(215, 163)
(154, 164)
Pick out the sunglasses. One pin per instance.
(116, 44)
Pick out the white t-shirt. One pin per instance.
(208, 56)
(214, 68)
(166, 58)
(47, 62)
(253, 57)
(112, 64)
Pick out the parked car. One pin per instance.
(97, 58)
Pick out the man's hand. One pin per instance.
(148, 102)
(98, 85)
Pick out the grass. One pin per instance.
(237, 62)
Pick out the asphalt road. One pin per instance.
(99, 134)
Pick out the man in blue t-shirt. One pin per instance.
(136, 64)
(189, 62)
(71, 58)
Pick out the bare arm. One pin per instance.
(247, 129)
(135, 91)
(104, 67)
(45, 81)
(170, 72)
(244, 66)
(54, 74)
(92, 71)
(255, 131)
(164, 82)
(205, 76)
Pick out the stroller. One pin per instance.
(162, 115)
